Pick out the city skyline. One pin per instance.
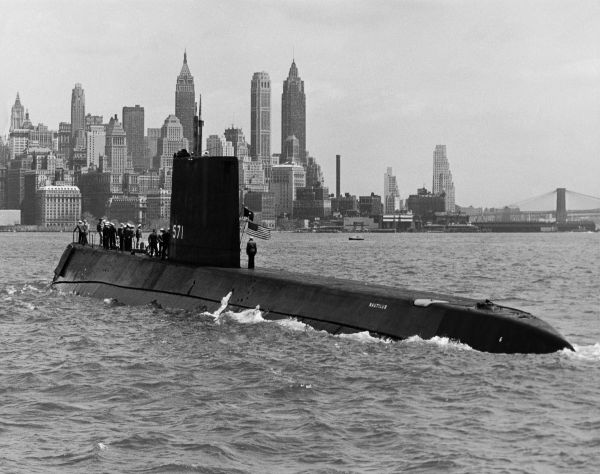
(513, 93)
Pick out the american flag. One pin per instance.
(258, 231)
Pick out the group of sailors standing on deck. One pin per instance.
(122, 238)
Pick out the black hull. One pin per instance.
(335, 305)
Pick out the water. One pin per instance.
(91, 386)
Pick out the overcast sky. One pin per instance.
(512, 88)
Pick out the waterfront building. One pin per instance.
(96, 145)
(57, 206)
(285, 180)
(293, 111)
(424, 204)
(17, 115)
(370, 206)
(185, 100)
(77, 110)
(442, 177)
(133, 124)
(312, 202)
(346, 205)
(15, 181)
(262, 204)
(260, 117)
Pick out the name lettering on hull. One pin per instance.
(377, 305)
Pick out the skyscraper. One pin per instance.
(260, 117)
(133, 124)
(293, 111)
(185, 105)
(442, 177)
(17, 115)
(116, 149)
(77, 110)
(391, 195)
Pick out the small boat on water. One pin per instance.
(355, 237)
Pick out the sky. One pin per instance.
(512, 88)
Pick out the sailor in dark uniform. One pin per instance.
(251, 252)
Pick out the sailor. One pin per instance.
(112, 236)
(161, 232)
(120, 235)
(138, 236)
(166, 238)
(85, 229)
(251, 252)
(152, 243)
(79, 229)
(100, 229)
(106, 235)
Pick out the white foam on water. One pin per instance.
(101, 446)
(364, 337)
(219, 312)
(443, 342)
(11, 290)
(589, 352)
(293, 324)
(247, 316)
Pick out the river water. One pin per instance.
(91, 386)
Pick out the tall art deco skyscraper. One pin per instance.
(293, 111)
(260, 117)
(442, 177)
(17, 115)
(185, 105)
(77, 110)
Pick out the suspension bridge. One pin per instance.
(559, 209)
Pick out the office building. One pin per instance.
(133, 124)
(442, 177)
(185, 100)
(17, 115)
(293, 111)
(285, 180)
(57, 206)
(96, 145)
(391, 195)
(260, 117)
(77, 110)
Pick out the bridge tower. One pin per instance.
(561, 206)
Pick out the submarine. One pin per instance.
(204, 266)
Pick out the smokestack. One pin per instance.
(337, 175)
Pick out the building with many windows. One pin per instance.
(77, 110)
(260, 117)
(293, 111)
(391, 195)
(185, 100)
(133, 124)
(442, 177)
(17, 115)
(58, 206)
(284, 182)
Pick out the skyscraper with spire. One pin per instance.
(77, 110)
(442, 177)
(260, 117)
(17, 115)
(293, 111)
(185, 105)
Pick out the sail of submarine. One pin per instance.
(204, 265)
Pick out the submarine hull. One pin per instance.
(331, 304)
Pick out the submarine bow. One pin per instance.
(204, 266)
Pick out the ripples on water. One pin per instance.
(90, 385)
